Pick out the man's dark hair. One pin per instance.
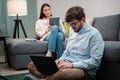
(75, 12)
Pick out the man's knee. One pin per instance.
(33, 70)
(31, 66)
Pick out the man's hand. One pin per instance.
(57, 61)
(62, 65)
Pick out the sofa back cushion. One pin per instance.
(109, 26)
(119, 34)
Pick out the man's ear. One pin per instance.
(83, 20)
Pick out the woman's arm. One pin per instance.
(41, 30)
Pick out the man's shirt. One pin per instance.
(84, 49)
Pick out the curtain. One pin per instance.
(7, 22)
(3, 16)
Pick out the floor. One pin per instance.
(5, 70)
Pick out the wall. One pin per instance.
(93, 8)
(28, 21)
(7, 22)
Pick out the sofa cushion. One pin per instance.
(108, 26)
(119, 34)
(112, 51)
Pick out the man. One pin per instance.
(83, 53)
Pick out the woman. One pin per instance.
(54, 35)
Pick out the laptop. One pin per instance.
(54, 21)
(45, 65)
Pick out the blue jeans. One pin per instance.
(56, 40)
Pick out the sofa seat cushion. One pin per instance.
(112, 51)
(109, 26)
(23, 47)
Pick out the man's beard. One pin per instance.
(79, 28)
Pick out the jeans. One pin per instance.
(56, 40)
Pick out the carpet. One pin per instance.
(16, 76)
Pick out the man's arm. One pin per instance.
(64, 55)
(96, 52)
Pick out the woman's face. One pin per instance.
(47, 11)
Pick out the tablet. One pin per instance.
(54, 21)
(45, 65)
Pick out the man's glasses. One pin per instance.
(74, 23)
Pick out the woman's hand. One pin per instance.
(48, 29)
(60, 26)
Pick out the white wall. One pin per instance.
(93, 8)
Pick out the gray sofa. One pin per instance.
(109, 26)
(19, 50)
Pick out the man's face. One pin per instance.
(76, 25)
